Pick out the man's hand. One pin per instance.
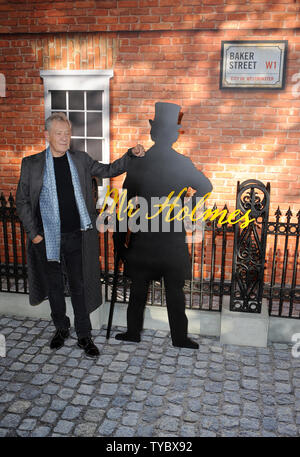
(138, 150)
(37, 239)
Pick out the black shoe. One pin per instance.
(187, 343)
(59, 338)
(89, 347)
(128, 337)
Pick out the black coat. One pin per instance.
(27, 200)
(153, 255)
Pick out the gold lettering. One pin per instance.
(180, 215)
(131, 208)
(185, 209)
(120, 209)
(232, 216)
(200, 203)
(167, 219)
(212, 215)
(246, 217)
(116, 199)
(161, 206)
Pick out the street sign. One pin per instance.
(253, 64)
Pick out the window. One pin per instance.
(84, 109)
(84, 97)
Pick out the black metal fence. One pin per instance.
(211, 270)
(281, 288)
(228, 262)
(13, 268)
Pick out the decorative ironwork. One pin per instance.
(250, 247)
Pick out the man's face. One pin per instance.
(58, 137)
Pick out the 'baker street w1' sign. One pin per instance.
(253, 64)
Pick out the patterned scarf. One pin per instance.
(50, 209)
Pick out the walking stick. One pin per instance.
(113, 293)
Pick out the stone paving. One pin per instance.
(150, 389)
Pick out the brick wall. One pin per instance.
(172, 56)
(40, 16)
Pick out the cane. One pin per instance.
(113, 293)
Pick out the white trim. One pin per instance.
(107, 73)
(81, 80)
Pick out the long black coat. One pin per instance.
(27, 200)
(162, 170)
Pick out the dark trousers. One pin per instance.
(175, 306)
(71, 252)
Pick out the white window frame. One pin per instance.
(81, 80)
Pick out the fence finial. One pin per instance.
(3, 200)
(11, 199)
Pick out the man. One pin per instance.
(155, 254)
(55, 203)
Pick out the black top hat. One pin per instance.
(166, 115)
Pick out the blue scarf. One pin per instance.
(50, 209)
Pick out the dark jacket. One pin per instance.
(162, 170)
(27, 203)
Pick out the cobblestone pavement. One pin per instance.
(150, 389)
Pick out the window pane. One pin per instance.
(94, 149)
(56, 111)
(94, 124)
(77, 120)
(77, 144)
(76, 99)
(58, 99)
(94, 99)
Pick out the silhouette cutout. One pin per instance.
(153, 255)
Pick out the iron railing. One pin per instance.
(213, 263)
(282, 265)
(211, 270)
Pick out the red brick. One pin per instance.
(86, 20)
(135, 49)
(66, 20)
(149, 19)
(107, 20)
(129, 19)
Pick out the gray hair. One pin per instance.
(56, 117)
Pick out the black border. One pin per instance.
(256, 87)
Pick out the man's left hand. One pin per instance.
(138, 150)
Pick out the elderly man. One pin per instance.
(55, 203)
